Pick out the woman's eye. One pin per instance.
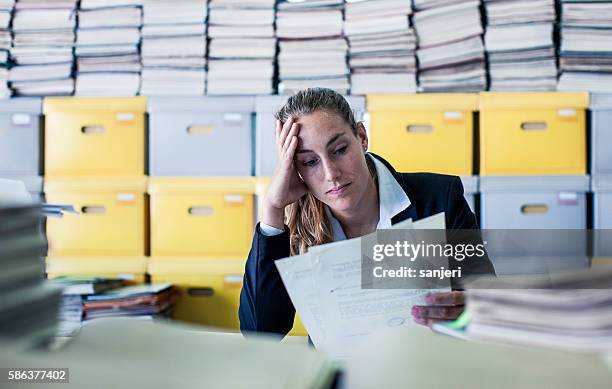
(310, 162)
(341, 150)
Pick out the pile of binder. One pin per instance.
(241, 61)
(107, 48)
(6, 14)
(381, 46)
(564, 310)
(43, 40)
(312, 50)
(450, 51)
(138, 301)
(520, 46)
(28, 304)
(586, 46)
(174, 47)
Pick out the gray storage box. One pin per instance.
(470, 189)
(601, 134)
(20, 129)
(200, 136)
(266, 156)
(602, 218)
(34, 185)
(533, 203)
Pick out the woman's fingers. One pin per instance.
(279, 127)
(446, 298)
(292, 133)
(437, 312)
(284, 133)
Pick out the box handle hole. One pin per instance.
(534, 126)
(534, 209)
(195, 129)
(419, 128)
(201, 211)
(201, 292)
(93, 209)
(93, 130)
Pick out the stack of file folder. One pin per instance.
(28, 304)
(520, 46)
(107, 48)
(6, 14)
(312, 50)
(137, 301)
(586, 46)
(381, 46)
(242, 63)
(174, 47)
(450, 52)
(564, 310)
(42, 50)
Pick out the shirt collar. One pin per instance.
(392, 200)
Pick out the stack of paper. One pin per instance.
(28, 304)
(520, 46)
(325, 287)
(570, 310)
(70, 315)
(174, 47)
(242, 63)
(450, 51)
(382, 45)
(6, 14)
(138, 301)
(586, 46)
(312, 51)
(43, 47)
(107, 48)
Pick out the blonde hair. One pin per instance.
(308, 222)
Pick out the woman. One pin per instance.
(327, 187)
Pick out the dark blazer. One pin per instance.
(264, 303)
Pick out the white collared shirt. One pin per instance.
(392, 201)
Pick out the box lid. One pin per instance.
(109, 104)
(601, 101)
(532, 100)
(423, 101)
(218, 265)
(470, 184)
(224, 104)
(243, 185)
(98, 184)
(21, 105)
(602, 183)
(534, 183)
(87, 265)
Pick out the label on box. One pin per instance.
(232, 281)
(126, 198)
(234, 199)
(21, 119)
(453, 116)
(568, 114)
(233, 118)
(567, 198)
(124, 116)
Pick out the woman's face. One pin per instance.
(330, 159)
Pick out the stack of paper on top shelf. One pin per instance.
(6, 14)
(520, 46)
(312, 50)
(107, 48)
(43, 47)
(242, 63)
(563, 310)
(174, 47)
(381, 46)
(586, 46)
(325, 287)
(450, 52)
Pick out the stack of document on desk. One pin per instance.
(43, 47)
(174, 47)
(107, 48)
(138, 301)
(325, 287)
(6, 14)
(586, 46)
(381, 46)
(244, 62)
(28, 304)
(565, 310)
(312, 50)
(520, 46)
(450, 51)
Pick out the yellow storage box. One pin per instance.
(131, 269)
(87, 136)
(537, 133)
(112, 216)
(210, 289)
(201, 216)
(424, 132)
